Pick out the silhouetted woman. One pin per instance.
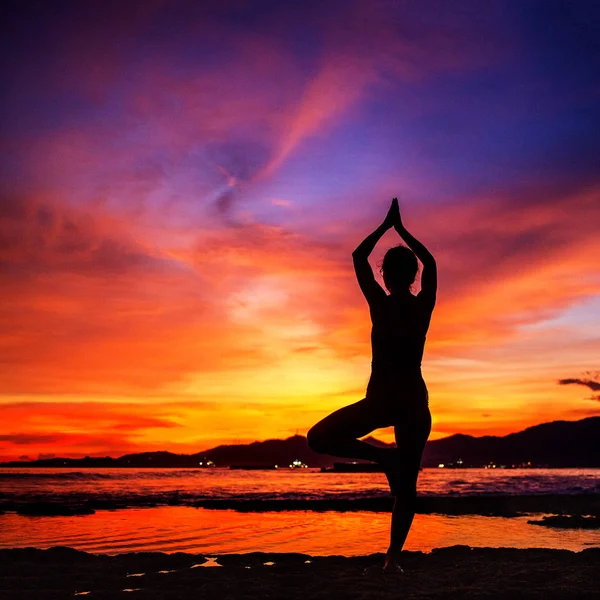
(396, 393)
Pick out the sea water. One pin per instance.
(188, 529)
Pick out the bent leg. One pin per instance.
(337, 433)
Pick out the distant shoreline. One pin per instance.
(284, 469)
(554, 445)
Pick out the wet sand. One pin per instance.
(454, 572)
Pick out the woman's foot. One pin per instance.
(379, 571)
(391, 564)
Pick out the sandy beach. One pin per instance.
(454, 572)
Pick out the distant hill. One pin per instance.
(556, 444)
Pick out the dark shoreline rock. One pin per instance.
(493, 505)
(568, 522)
(53, 509)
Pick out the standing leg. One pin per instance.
(338, 433)
(410, 440)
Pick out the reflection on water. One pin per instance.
(211, 561)
(184, 529)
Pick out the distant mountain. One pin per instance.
(556, 444)
(273, 452)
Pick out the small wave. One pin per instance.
(94, 475)
(62, 476)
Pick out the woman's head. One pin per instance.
(399, 269)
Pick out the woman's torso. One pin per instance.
(399, 329)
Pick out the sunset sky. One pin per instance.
(183, 184)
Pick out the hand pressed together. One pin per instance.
(392, 218)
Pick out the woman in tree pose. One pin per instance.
(396, 393)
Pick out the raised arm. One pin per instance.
(429, 275)
(360, 257)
